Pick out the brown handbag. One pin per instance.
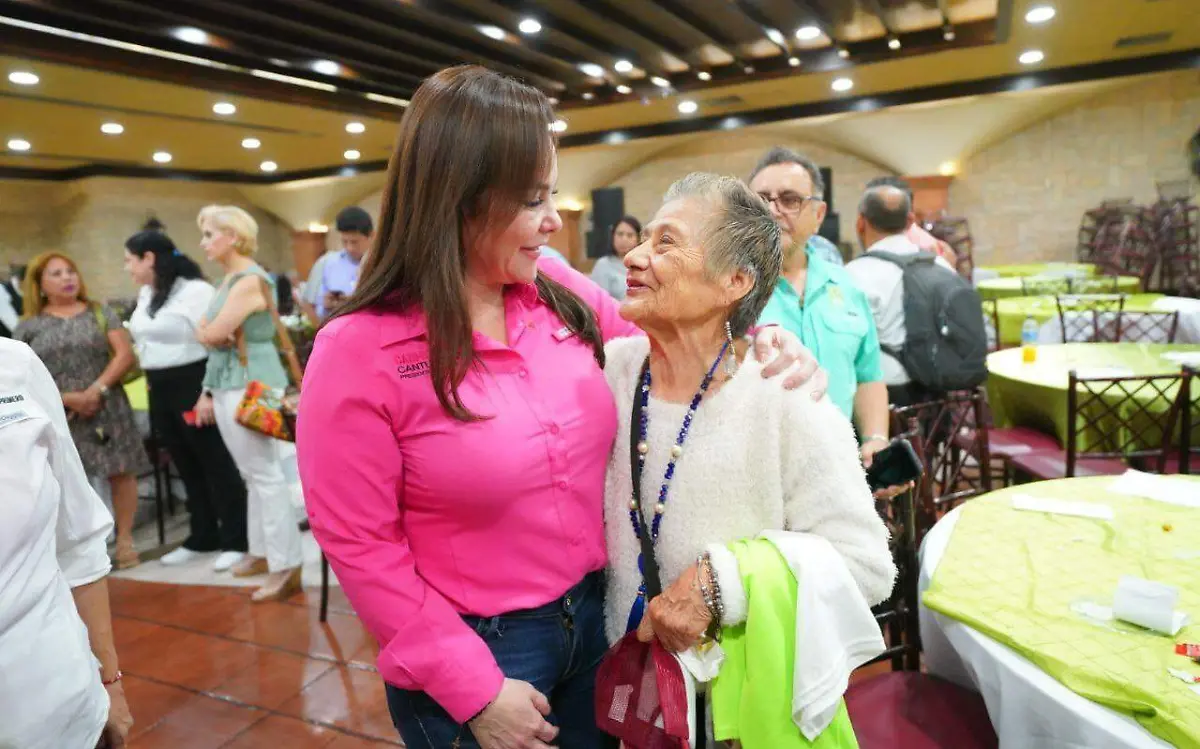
(264, 409)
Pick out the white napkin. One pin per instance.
(1148, 604)
(1191, 358)
(1159, 488)
(1061, 507)
(1108, 372)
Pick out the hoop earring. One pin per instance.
(731, 352)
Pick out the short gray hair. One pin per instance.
(740, 234)
(886, 207)
(780, 155)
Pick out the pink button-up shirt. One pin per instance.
(424, 517)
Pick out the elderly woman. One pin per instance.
(243, 302)
(724, 454)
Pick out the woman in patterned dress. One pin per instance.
(87, 351)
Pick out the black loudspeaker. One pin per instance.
(608, 206)
(831, 229)
(827, 178)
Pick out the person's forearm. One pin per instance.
(121, 363)
(92, 602)
(310, 311)
(871, 410)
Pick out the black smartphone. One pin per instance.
(894, 465)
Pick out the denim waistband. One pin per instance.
(592, 583)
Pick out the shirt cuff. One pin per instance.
(471, 682)
(729, 577)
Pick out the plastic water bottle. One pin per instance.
(1029, 336)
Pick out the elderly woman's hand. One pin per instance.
(791, 354)
(679, 617)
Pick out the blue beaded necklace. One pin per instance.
(660, 507)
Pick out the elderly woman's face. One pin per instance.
(668, 283)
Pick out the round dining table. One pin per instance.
(1012, 312)
(1036, 269)
(1004, 288)
(1034, 394)
(1055, 561)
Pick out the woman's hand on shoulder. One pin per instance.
(790, 357)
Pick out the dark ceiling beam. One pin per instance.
(152, 15)
(63, 51)
(713, 35)
(812, 11)
(445, 24)
(761, 19)
(594, 48)
(877, 9)
(611, 12)
(281, 14)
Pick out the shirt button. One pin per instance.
(522, 373)
(554, 429)
(562, 484)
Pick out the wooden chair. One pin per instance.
(1188, 460)
(991, 324)
(1128, 418)
(1045, 286)
(1147, 327)
(1090, 318)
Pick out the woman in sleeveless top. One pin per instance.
(87, 351)
(229, 236)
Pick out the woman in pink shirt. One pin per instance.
(455, 428)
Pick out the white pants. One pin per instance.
(271, 527)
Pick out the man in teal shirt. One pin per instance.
(817, 300)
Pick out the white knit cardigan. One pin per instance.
(757, 458)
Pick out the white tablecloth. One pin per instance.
(1036, 711)
(1188, 330)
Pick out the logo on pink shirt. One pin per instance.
(412, 366)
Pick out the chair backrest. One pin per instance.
(1045, 286)
(1132, 417)
(1089, 318)
(991, 323)
(1189, 417)
(1147, 327)
(898, 615)
(950, 434)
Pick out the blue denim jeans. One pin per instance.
(556, 648)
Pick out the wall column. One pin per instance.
(307, 246)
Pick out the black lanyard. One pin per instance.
(650, 574)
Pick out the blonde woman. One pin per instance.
(229, 237)
(87, 351)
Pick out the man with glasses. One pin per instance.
(817, 300)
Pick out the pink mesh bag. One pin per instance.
(641, 697)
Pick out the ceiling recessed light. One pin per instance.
(553, 101)
(559, 126)
(18, 144)
(808, 33)
(224, 108)
(842, 84)
(591, 69)
(623, 66)
(1031, 57)
(268, 166)
(687, 106)
(278, 62)
(529, 26)
(492, 32)
(190, 34)
(947, 169)
(162, 157)
(112, 128)
(623, 89)
(748, 70)
(776, 36)
(352, 155)
(893, 44)
(23, 78)
(251, 143)
(1040, 14)
(355, 128)
(844, 53)
(704, 75)
(327, 67)
(588, 96)
(662, 82)
(794, 62)
(949, 34)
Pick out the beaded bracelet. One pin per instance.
(712, 598)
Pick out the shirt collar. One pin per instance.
(894, 243)
(819, 274)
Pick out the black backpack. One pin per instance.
(945, 344)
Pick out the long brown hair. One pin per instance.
(472, 144)
(32, 288)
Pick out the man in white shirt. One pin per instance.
(10, 301)
(884, 215)
(60, 685)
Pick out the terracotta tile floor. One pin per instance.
(206, 669)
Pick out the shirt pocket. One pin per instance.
(840, 333)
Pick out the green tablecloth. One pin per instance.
(1038, 269)
(1003, 288)
(1035, 394)
(1015, 576)
(1013, 311)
